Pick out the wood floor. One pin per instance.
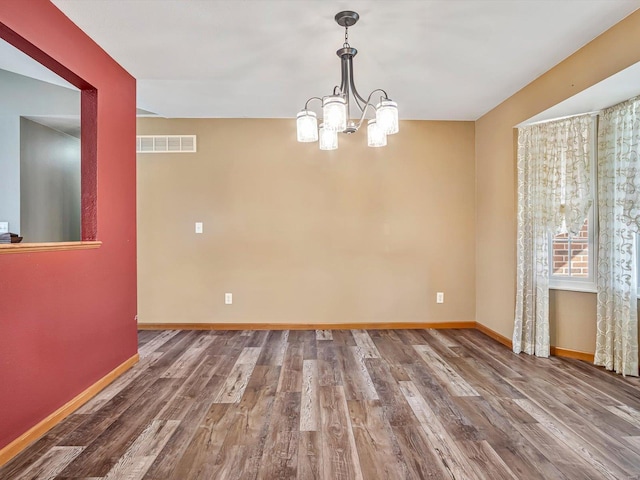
(345, 404)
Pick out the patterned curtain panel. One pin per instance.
(619, 200)
(554, 196)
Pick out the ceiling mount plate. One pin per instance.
(347, 18)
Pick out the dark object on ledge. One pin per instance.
(10, 238)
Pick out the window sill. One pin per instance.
(6, 248)
(586, 287)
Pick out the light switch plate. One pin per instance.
(199, 228)
(4, 227)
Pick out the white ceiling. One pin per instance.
(439, 59)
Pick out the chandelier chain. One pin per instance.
(346, 38)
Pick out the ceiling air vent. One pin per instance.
(165, 143)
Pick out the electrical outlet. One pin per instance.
(198, 227)
(440, 297)
(4, 227)
(228, 298)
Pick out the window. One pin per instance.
(572, 259)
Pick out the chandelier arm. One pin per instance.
(370, 105)
(364, 112)
(312, 98)
(386, 97)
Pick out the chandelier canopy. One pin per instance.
(336, 108)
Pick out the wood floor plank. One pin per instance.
(310, 456)
(192, 356)
(291, 373)
(487, 382)
(574, 442)
(274, 348)
(575, 404)
(232, 467)
(230, 344)
(567, 461)
(502, 364)
(339, 454)
(51, 463)
(199, 457)
(280, 453)
(299, 337)
(141, 454)
(355, 377)
(98, 422)
(443, 405)
(280, 456)
(249, 430)
(363, 340)
(328, 367)
(622, 389)
(633, 442)
(418, 455)
(40, 447)
(114, 388)
(190, 408)
(603, 438)
(627, 413)
(310, 400)
(450, 458)
(310, 349)
(238, 378)
(391, 348)
(486, 462)
(443, 337)
(343, 338)
(504, 442)
(258, 338)
(156, 342)
(324, 335)
(191, 390)
(101, 454)
(397, 410)
(443, 370)
(377, 447)
(345, 404)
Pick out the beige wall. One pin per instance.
(572, 314)
(299, 235)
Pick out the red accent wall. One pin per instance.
(68, 318)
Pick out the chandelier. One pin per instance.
(336, 108)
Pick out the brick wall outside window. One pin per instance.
(571, 254)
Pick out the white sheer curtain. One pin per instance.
(554, 196)
(619, 219)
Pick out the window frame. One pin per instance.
(88, 152)
(583, 284)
